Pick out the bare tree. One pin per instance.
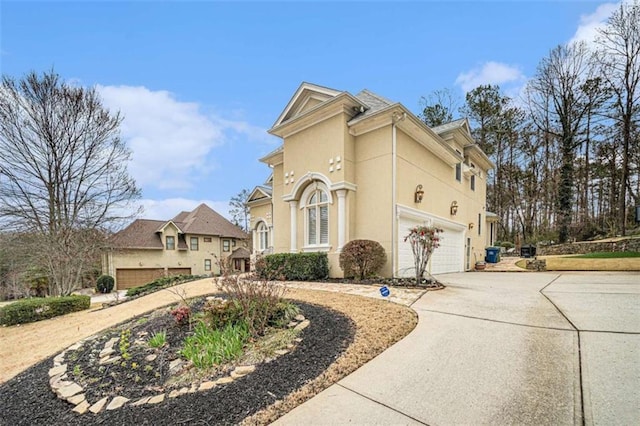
(239, 209)
(556, 90)
(619, 56)
(63, 178)
(438, 108)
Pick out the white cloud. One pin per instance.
(172, 141)
(170, 207)
(491, 73)
(589, 24)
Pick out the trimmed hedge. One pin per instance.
(41, 308)
(160, 283)
(295, 266)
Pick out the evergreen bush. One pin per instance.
(295, 266)
(40, 308)
(105, 283)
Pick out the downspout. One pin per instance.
(394, 225)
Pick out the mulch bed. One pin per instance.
(27, 399)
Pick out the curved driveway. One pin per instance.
(503, 348)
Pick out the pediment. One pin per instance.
(305, 98)
(258, 194)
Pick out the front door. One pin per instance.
(468, 253)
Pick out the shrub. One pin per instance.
(160, 283)
(295, 266)
(37, 309)
(209, 347)
(181, 314)
(506, 245)
(105, 283)
(219, 312)
(252, 299)
(362, 258)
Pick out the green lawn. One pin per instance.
(608, 255)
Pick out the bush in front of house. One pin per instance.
(105, 283)
(362, 259)
(41, 308)
(295, 266)
(160, 283)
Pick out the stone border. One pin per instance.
(73, 393)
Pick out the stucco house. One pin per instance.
(364, 167)
(190, 243)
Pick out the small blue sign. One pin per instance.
(384, 291)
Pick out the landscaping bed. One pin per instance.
(273, 389)
(28, 399)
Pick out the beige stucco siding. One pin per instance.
(280, 212)
(372, 212)
(313, 148)
(416, 166)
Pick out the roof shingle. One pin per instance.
(144, 233)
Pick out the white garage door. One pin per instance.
(449, 257)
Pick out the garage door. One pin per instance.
(179, 271)
(127, 278)
(448, 257)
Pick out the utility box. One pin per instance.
(492, 255)
(527, 251)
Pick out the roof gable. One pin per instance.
(203, 220)
(306, 97)
(259, 193)
(206, 221)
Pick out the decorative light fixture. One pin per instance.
(471, 226)
(454, 208)
(419, 194)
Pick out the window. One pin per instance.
(207, 264)
(479, 223)
(170, 243)
(207, 239)
(226, 245)
(194, 243)
(459, 169)
(473, 182)
(263, 236)
(233, 243)
(317, 215)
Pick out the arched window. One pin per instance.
(263, 236)
(317, 217)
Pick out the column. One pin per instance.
(342, 217)
(293, 208)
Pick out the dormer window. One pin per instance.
(170, 242)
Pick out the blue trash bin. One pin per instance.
(493, 254)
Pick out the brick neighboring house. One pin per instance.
(189, 243)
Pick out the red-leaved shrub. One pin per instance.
(362, 258)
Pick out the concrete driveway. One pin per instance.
(503, 348)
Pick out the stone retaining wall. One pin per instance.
(629, 244)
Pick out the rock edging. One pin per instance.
(73, 393)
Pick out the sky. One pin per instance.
(200, 83)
